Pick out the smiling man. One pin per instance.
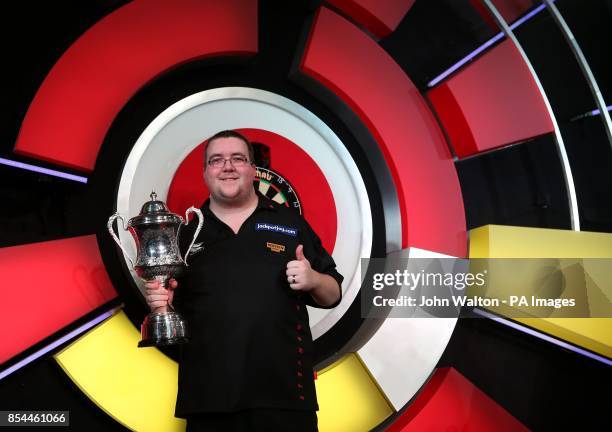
(248, 366)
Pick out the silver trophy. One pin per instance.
(155, 231)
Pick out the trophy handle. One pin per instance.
(198, 212)
(109, 225)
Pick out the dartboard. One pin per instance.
(273, 186)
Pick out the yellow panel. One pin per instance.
(135, 386)
(495, 241)
(349, 400)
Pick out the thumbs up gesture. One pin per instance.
(300, 275)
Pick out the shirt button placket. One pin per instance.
(300, 351)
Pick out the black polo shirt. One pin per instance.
(251, 345)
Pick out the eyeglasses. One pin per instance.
(236, 161)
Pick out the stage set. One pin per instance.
(401, 129)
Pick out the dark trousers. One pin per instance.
(254, 420)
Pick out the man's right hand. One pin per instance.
(157, 296)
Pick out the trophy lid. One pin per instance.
(155, 212)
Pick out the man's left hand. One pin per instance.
(300, 275)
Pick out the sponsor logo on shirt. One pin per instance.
(275, 247)
(262, 226)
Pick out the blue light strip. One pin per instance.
(41, 170)
(483, 47)
(543, 336)
(58, 342)
(597, 112)
(590, 113)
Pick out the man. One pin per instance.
(254, 267)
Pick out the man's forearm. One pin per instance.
(326, 291)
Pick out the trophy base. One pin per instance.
(162, 342)
(163, 329)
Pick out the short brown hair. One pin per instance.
(229, 134)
